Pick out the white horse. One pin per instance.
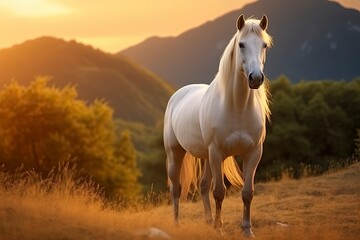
(218, 121)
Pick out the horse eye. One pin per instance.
(241, 45)
(265, 45)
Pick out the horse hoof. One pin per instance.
(247, 233)
(176, 222)
(219, 231)
(218, 227)
(209, 222)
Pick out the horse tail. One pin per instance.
(233, 172)
(191, 172)
(189, 175)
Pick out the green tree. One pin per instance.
(357, 143)
(316, 117)
(127, 173)
(312, 126)
(286, 135)
(150, 153)
(281, 84)
(41, 126)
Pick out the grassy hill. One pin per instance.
(135, 93)
(325, 207)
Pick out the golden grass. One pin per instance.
(325, 207)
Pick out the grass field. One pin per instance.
(324, 207)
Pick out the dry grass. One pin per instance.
(326, 207)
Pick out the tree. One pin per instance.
(286, 135)
(126, 172)
(312, 126)
(41, 126)
(281, 84)
(151, 156)
(357, 143)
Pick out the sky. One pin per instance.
(110, 25)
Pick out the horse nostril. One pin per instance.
(262, 77)
(250, 77)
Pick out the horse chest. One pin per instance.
(239, 139)
(238, 143)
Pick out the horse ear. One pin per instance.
(264, 22)
(240, 22)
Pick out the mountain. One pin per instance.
(313, 39)
(134, 93)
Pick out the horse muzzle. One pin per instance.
(255, 80)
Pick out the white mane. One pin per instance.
(227, 62)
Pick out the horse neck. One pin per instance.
(236, 93)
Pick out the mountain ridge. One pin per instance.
(135, 93)
(313, 40)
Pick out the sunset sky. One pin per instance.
(110, 25)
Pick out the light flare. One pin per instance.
(34, 8)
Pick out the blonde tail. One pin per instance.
(191, 172)
(233, 172)
(190, 175)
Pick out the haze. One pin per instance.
(110, 26)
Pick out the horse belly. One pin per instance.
(193, 144)
(186, 125)
(188, 133)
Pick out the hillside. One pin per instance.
(134, 93)
(313, 39)
(325, 207)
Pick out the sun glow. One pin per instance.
(110, 25)
(34, 8)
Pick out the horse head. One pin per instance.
(252, 42)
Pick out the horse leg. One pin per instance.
(215, 161)
(175, 158)
(249, 167)
(205, 184)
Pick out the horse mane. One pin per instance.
(227, 62)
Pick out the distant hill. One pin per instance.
(314, 39)
(135, 93)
